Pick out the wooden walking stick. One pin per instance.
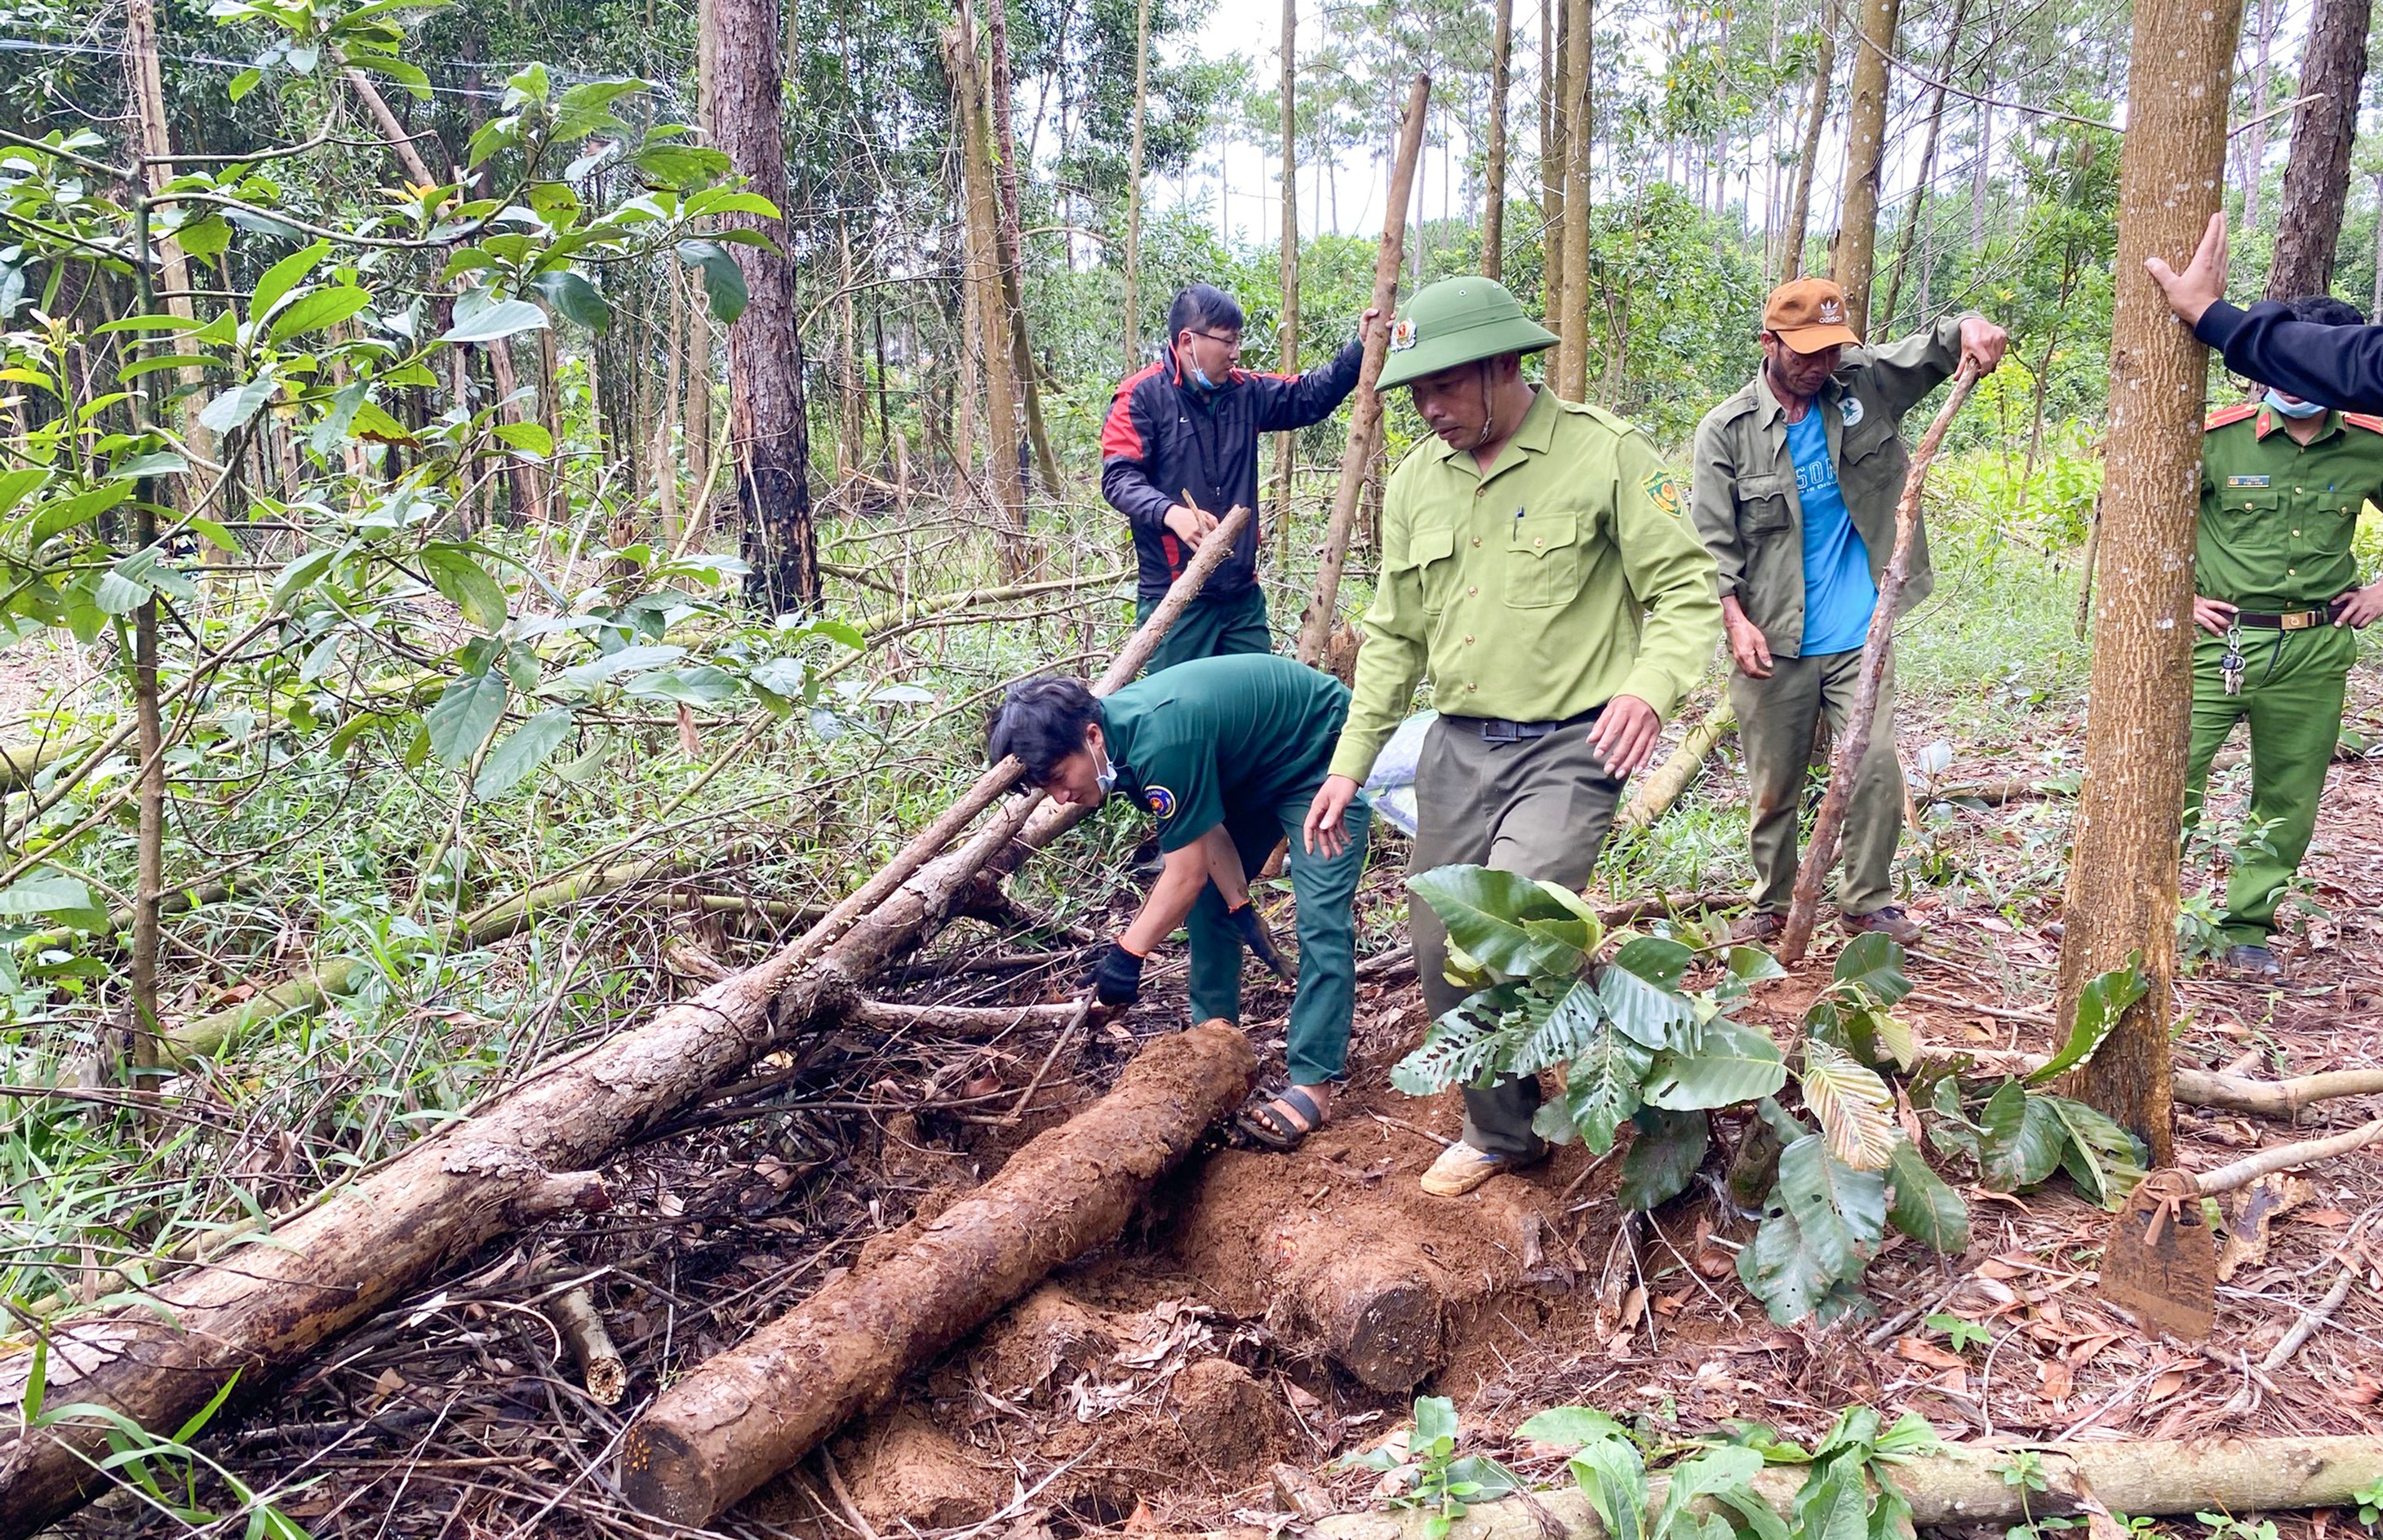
(1853, 744)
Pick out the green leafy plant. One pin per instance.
(1608, 1467)
(1431, 1477)
(2369, 1499)
(1963, 1335)
(2224, 1526)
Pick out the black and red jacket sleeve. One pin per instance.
(1289, 402)
(1129, 442)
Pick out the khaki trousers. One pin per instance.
(1776, 719)
(1539, 807)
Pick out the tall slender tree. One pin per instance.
(1918, 211)
(998, 93)
(1808, 157)
(1571, 317)
(767, 433)
(1493, 196)
(1555, 134)
(983, 278)
(1287, 328)
(1865, 157)
(1133, 187)
(2265, 21)
(2317, 178)
(2121, 901)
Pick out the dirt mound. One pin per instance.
(902, 1468)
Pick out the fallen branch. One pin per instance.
(2310, 1319)
(2283, 1157)
(1853, 744)
(1968, 1484)
(2202, 1088)
(955, 1021)
(1658, 791)
(601, 1369)
(754, 1410)
(1366, 415)
(367, 1244)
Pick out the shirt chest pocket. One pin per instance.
(2253, 523)
(1428, 553)
(1543, 554)
(1762, 505)
(2329, 523)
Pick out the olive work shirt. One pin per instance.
(1217, 736)
(2278, 517)
(1536, 590)
(1743, 498)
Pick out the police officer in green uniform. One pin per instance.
(2276, 595)
(1537, 565)
(1226, 754)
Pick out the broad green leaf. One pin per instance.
(2023, 1138)
(1601, 1087)
(1645, 1011)
(1855, 1109)
(586, 108)
(575, 298)
(1484, 910)
(204, 237)
(497, 321)
(597, 670)
(157, 462)
(285, 276)
(1663, 1156)
(1924, 1207)
(529, 436)
(700, 685)
(467, 584)
(2102, 1158)
(17, 485)
(1614, 1478)
(2100, 1004)
(1567, 1027)
(1459, 1049)
(1841, 1212)
(1874, 964)
(1836, 1504)
(67, 513)
(1725, 1473)
(44, 893)
(465, 714)
(315, 311)
(723, 281)
(522, 751)
(231, 408)
(1571, 1425)
(1435, 1419)
(1657, 960)
(1735, 1063)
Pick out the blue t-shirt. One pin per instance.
(1838, 593)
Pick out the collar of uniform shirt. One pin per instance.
(1770, 407)
(1533, 435)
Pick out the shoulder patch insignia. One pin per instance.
(1162, 802)
(1851, 409)
(1664, 493)
(2366, 420)
(2226, 414)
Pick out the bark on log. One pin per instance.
(754, 1410)
(1964, 1485)
(1658, 791)
(1366, 415)
(333, 1265)
(1853, 744)
(1377, 1308)
(582, 1330)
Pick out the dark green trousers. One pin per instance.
(2292, 686)
(1210, 629)
(1539, 807)
(1325, 889)
(1776, 720)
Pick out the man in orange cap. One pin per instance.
(1796, 479)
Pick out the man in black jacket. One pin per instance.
(1180, 450)
(2336, 366)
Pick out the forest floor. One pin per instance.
(1148, 1385)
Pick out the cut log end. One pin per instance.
(1385, 1331)
(667, 1475)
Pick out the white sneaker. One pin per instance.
(1461, 1168)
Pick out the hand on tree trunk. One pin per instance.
(2203, 282)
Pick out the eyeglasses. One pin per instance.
(1231, 344)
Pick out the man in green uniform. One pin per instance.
(1796, 479)
(1226, 754)
(2276, 595)
(1537, 565)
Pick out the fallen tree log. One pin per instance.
(2210, 1088)
(1658, 791)
(1966, 1485)
(1377, 1308)
(752, 1411)
(365, 1244)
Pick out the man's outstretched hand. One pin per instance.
(2203, 282)
(1325, 833)
(1625, 735)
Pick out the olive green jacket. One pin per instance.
(1743, 498)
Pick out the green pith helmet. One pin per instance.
(1458, 321)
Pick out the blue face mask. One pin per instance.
(1200, 377)
(2302, 409)
(1106, 777)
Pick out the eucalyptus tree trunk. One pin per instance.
(1571, 317)
(1013, 242)
(2121, 899)
(2317, 178)
(1927, 168)
(766, 431)
(1286, 330)
(1001, 384)
(1816, 117)
(1554, 134)
(1865, 155)
(852, 413)
(1133, 189)
(2254, 135)
(148, 91)
(1493, 198)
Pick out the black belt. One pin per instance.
(1499, 730)
(2294, 620)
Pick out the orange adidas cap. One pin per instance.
(1808, 314)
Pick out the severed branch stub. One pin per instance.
(601, 1369)
(1853, 744)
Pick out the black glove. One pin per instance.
(1116, 980)
(1253, 926)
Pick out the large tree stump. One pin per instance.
(755, 1409)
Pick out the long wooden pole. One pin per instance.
(1853, 744)
(1366, 418)
(527, 1155)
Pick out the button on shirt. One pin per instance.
(2278, 517)
(1838, 593)
(1564, 574)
